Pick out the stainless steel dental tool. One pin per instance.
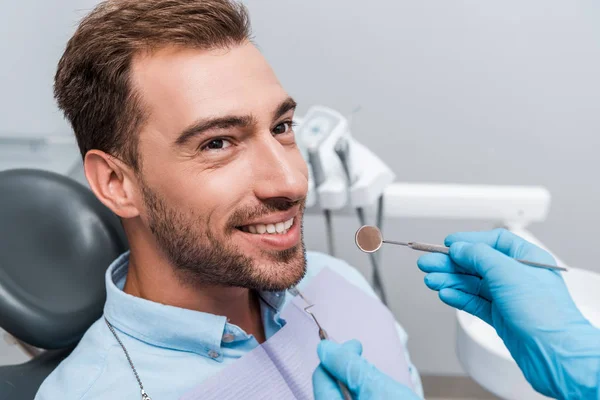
(369, 239)
(322, 335)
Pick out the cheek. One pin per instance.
(227, 185)
(210, 193)
(216, 193)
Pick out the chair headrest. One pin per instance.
(56, 242)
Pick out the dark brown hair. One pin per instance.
(92, 83)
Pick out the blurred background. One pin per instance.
(461, 91)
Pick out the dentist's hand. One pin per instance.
(364, 381)
(557, 349)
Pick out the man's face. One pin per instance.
(222, 179)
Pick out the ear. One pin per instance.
(113, 183)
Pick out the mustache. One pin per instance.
(243, 215)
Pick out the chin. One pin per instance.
(281, 270)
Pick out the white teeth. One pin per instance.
(277, 228)
(287, 224)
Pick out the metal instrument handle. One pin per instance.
(435, 248)
(431, 248)
(540, 265)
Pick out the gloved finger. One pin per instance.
(335, 356)
(517, 247)
(505, 242)
(353, 346)
(488, 237)
(324, 386)
(344, 364)
(480, 259)
(436, 262)
(362, 378)
(472, 304)
(465, 283)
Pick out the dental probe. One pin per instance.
(369, 239)
(323, 335)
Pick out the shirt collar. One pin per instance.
(167, 326)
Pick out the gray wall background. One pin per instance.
(465, 91)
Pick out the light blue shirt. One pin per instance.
(173, 349)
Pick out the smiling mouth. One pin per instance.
(279, 228)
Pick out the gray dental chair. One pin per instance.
(56, 242)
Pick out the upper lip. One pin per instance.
(275, 218)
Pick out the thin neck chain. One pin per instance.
(293, 291)
(112, 329)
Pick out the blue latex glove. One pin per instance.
(365, 382)
(557, 349)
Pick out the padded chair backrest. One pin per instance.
(56, 242)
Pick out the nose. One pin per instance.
(279, 171)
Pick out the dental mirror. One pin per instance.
(368, 239)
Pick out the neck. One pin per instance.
(151, 277)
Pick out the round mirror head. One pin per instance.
(368, 238)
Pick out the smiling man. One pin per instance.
(187, 136)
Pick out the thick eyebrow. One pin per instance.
(287, 105)
(201, 126)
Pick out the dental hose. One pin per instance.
(329, 229)
(342, 149)
(377, 282)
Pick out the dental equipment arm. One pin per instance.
(342, 149)
(320, 129)
(319, 177)
(311, 197)
(554, 345)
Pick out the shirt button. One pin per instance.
(213, 354)
(228, 338)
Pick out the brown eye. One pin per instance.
(217, 144)
(284, 127)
